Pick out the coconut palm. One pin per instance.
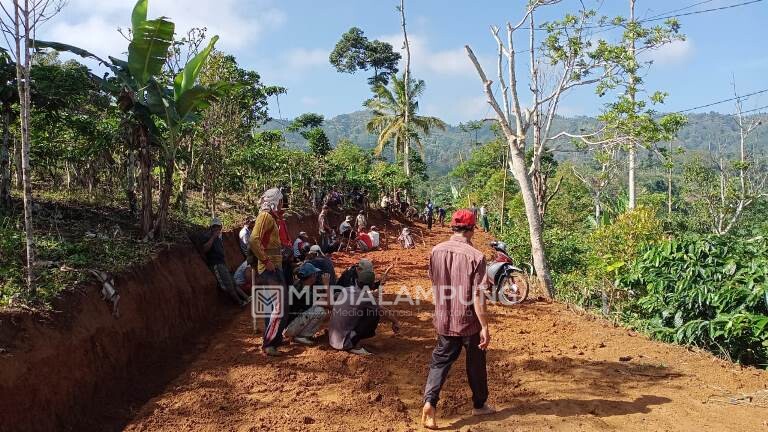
(389, 107)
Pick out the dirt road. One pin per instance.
(549, 369)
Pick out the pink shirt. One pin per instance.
(456, 269)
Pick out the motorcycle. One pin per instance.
(510, 283)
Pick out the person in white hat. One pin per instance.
(298, 245)
(317, 258)
(375, 236)
(406, 239)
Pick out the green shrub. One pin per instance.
(706, 291)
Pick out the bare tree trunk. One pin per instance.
(23, 61)
(141, 136)
(632, 162)
(17, 163)
(535, 226)
(669, 180)
(166, 189)
(5, 164)
(406, 78)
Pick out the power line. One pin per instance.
(754, 109)
(723, 101)
(679, 10)
(701, 11)
(665, 15)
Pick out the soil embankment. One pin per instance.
(80, 368)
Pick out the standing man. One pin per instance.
(484, 218)
(324, 228)
(457, 271)
(266, 245)
(245, 234)
(430, 213)
(361, 223)
(441, 215)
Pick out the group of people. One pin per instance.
(347, 304)
(273, 259)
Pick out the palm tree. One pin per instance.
(389, 108)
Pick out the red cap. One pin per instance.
(463, 218)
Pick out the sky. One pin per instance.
(288, 43)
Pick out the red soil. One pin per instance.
(549, 369)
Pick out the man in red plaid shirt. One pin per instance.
(457, 271)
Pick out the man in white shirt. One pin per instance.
(245, 234)
(375, 236)
(298, 245)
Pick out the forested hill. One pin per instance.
(444, 149)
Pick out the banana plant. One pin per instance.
(140, 91)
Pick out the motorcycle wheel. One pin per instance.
(513, 288)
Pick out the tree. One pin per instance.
(392, 110)
(225, 129)
(355, 52)
(730, 183)
(142, 91)
(8, 97)
(308, 125)
(572, 60)
(406, 92)
(629, 120)
(19, 24)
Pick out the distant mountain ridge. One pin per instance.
(445, 149)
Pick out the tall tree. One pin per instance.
(573, 60)
(406, 90)
(8, 97)
(392, 110)
(19, 24)
(354, 51)
(630, 122)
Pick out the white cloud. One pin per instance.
(443, 62)
(93, 24)
(675, 53)
(302, 58)
(309, 101)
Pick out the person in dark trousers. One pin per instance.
(356, 314)
(441, 215)
(430, 210)
(212, 247)
(457, 271)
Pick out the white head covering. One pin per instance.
(270, 199)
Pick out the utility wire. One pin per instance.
(665, 15)
(679, 10)
(754, 109)
(701, 11)
(723, 101)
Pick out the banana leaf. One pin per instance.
(186, 79)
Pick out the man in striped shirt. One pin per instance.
(457, 271)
